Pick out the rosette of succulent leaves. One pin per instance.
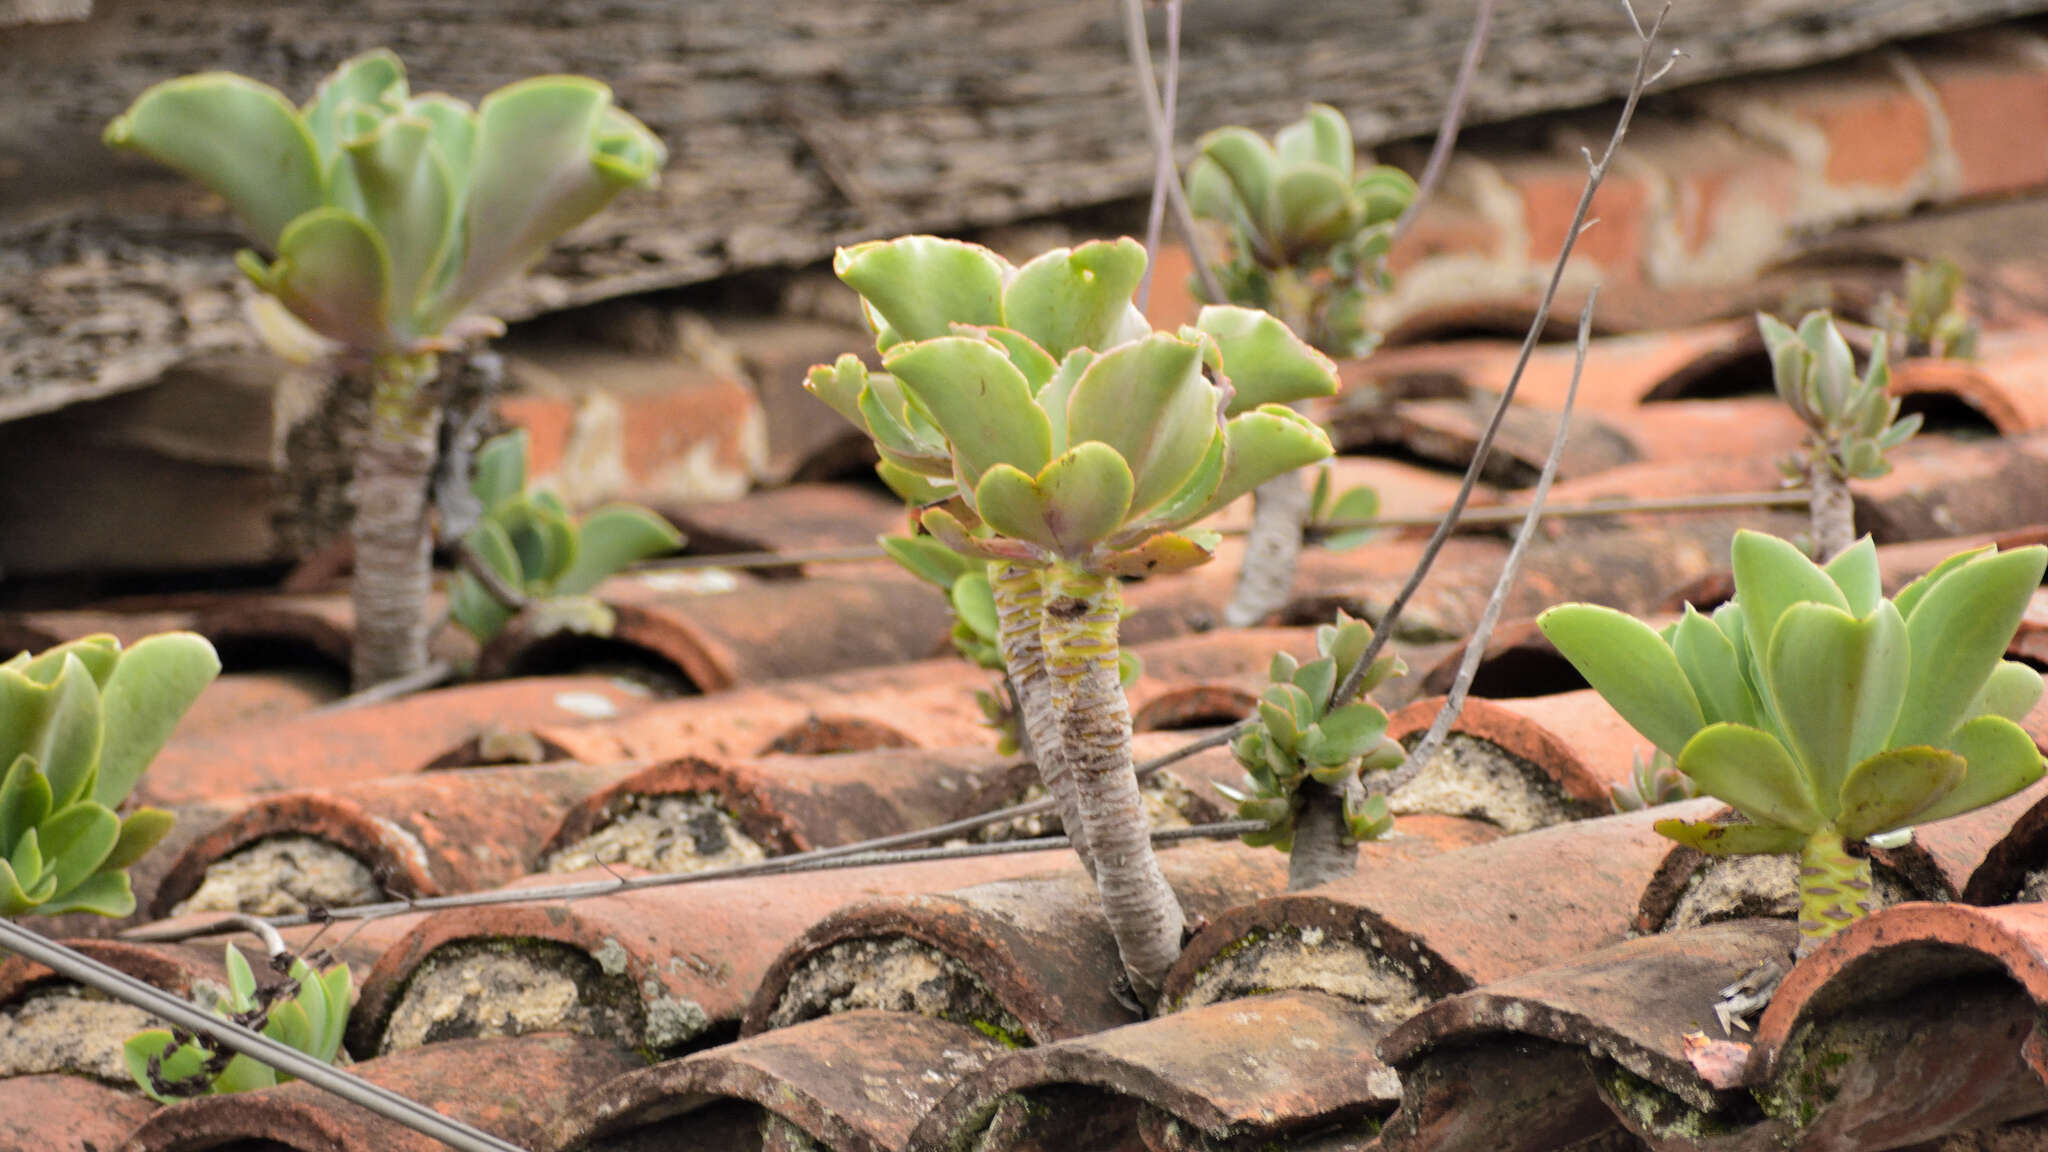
(79, 723)
(308, 1012)
(1824, 713)
(1305, 753)
(386, 217)
(537, 549)
(1043, 427)
(1851, 421)
(1651, 781)
(1930, 321)
(975, 628)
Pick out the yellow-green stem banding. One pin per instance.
(1834, 889)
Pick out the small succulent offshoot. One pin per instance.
(307, 1011)
(1852, 421)
(79, 724)
(976, 629)
(1823, 712)
(1651, 782)
(1931, 321)
(538, 550)
(1305, 754)
(387, 218)
(1328, 509)
(1047, 430)
(1306, 228)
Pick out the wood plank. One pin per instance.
(795, 125)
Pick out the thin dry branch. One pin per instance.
(1163, 170)
(1162, 141)
(1454, 119)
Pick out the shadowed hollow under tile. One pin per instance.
(1029, 959)
(1447, 432)
(661, 969)
(329, 749)
(1519, 661)
(1254, 1073)
(1560, 755)
(1403, 932)
(425, 834)
(1625, 1010)
(2003, 383)
(796, 518)
(511, 1088)
(855, 1082)
(768, 630)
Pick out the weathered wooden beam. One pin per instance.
(793, 124)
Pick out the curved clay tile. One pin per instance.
(1941, 486)
(800, 1075)
(59, 1111)
(1205, 1078)
(511, 1088)
(795, 518)
(1576, 739)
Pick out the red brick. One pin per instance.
(1997, 110)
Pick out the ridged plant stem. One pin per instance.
(1832, 512)
(1834, 889)
(391, 525)
(1020, 606)
(1080, 631)
(1323, 848)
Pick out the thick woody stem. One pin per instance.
(1020, 605)
(392, 529)
(1828, 505)
(1323, 848)
(1834, 889)
(1080, 628)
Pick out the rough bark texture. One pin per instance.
(394, 535)
(1272, 550)
(1832, 512)
(795, 125)
(1323, 848)
(1020, 606)
(1081, 614)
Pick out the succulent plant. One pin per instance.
(1303, 753)
(1652, 781)
(79, 724)
(535, 546)
(1851, 420)
(1823, 712)
(170, 1067)
(1046, 429)
(1351, 506)
(386, 217)
(1931, 321)
(1308, 230)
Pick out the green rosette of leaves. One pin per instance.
(311, 1021)
(529, 539)
(1303, 751)
(1307, 226)
(1823, 712)
(79, 724)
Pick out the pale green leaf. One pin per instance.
(1889, 790)
(1855, 573)
(1085, 493)
(75, 841)
(1148, 402)
(1074, 298)
(365, 79)
(1265, 443)
(612, 538)
(1264, 359)
(500, 472)
(156, 682)
(923, 285)
(1838, 683)
(1753, 773)
(1771, 576)
(2001, 758)
(2011, 691)
(333, 274)
(1732, 839)
(409, 199)
(1959, 632)
(67, 747)
(1632, 669)
(979, 400)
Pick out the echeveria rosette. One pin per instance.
(1823, 712)
(78, 725)
(311, 1021)
(1854, 418)
(529, 539)
(388, 215)
(1307, 230)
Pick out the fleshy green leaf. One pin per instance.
(1309, 208)
(141, 830)
(2012, 691)
(24, 800)
(500, 469)
(1086, 492)
(974, 602)
(1771, 576)
(1732, 839)
(979, 400)
(927, 559)
(1160, 554)
(1750, 771)
(1148, 401)
(339, 985)
(361, 79)
(1352, 506)
(1855, 573)
(156, 682)
(1632, 669)
(1317, 678)
(1909, 596)
(75, 841)
(241, 979)
(241, 139)
(1839, 683)
(1265, 361)
(332, 273)
(1322, 136)
(612, 538)
(1889, 790)
(2002, 760)
(1712, 668)
(67, 749)
(1037, 365)
(104, 893)
(1075, 298)
(1249, 164)
(923, 285)
(179, 1065)
(470, 604)
(409, 199)
(23, 703)
(1959, 632)
(1265, 443)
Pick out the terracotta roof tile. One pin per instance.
(58, 1111)
(1576, 739)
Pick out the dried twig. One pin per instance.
(433, 675)
(1475, 647)
(1454, 118)
(1162, 141)
(187, 1017)
(1644, 77)
(1163, 171)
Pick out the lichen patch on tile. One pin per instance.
(283, 876)
(893, 974)
(65, 1028)
(667, 834)
(1296, 958)
(478, 988)
(1476, 778)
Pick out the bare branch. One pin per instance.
(1475, 647)
(436, 673)
(1384, 630)
(127, 989)
(1163, 172)
(1162, 141)
(1454, 118)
